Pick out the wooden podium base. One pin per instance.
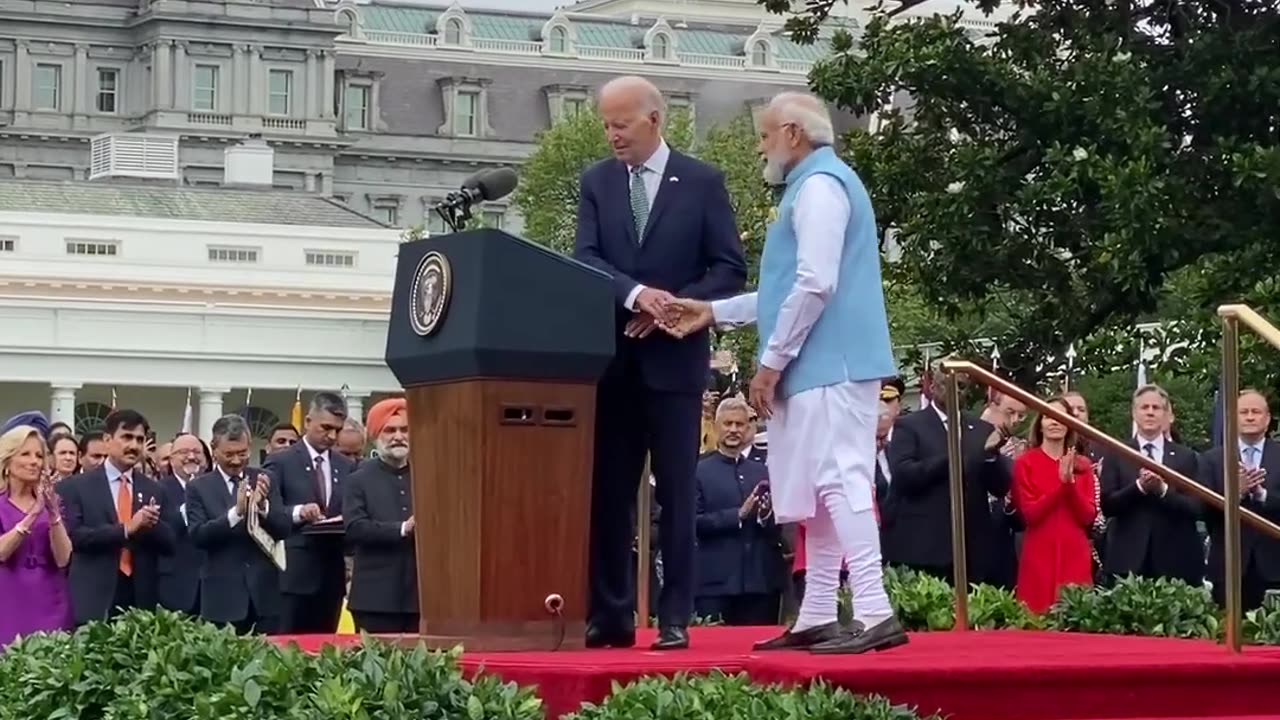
(502, 498)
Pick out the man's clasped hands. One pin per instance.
(682, 317)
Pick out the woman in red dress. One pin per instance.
(1054, 491)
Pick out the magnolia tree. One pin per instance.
(1080, 168)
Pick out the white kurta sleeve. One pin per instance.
(737, 310)
(820, 219)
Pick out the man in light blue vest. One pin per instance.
(824, 351)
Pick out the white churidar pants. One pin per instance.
(822, 458)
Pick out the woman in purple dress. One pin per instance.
(34, 546)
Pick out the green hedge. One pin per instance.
(734, 697)
(1132, 606)
(162, 666)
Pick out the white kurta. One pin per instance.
(824, 437)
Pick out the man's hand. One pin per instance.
(242, 499)
(1150, 482)
(654, 302)
(640, 325)
(748, 506)
(686, 317)
(311, 512)
(1250, 480)
(409, 526)
(762, 389)
(264, 483)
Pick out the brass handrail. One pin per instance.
(1232, 317)
(954, 368)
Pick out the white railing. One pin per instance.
(588, 52)
(272, 123)
(208, 119)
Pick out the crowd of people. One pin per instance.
(1044, 508)
(123, 523)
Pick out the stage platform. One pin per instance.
(996, 675)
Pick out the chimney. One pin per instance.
(251, 163)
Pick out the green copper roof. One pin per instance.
(602, 32)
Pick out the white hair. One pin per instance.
(641, 90)
(807, 113)
(730, 404)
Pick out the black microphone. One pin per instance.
(486, 185)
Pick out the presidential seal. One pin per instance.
(429, 296)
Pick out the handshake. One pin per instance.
(678, 317)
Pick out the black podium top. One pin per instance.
(486, 304)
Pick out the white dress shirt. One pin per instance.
(819, 219)
(654, 168)
(233, 515)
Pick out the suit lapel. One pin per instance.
(220, 490)
(102, 486)
(667, 189)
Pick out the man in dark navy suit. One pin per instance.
(180, 572)
(660, 224)
(309, 477)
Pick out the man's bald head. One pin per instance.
(633, 111)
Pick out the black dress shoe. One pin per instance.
(597, 637)
(671, 638)
(802, 640)
(885, 635)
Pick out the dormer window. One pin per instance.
(760, 53)
(661, 47)
(559, 40)
(453, 32)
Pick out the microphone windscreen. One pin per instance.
(497, 184)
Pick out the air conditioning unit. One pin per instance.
(133, 155)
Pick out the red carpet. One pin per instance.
(1002, 675)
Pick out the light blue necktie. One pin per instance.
(1251, 457)
(639, 202)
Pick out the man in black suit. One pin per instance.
(1152, 527)
(308, 476)
(239, 582)
(658, 222)
(120, 523)
(740, 565)
(1259, 459)
(377, 507)
(180, 572)
(919, 535)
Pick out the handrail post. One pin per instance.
(1231, 478)
(644, 527)
(955, 469)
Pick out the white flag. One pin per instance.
(186, 415)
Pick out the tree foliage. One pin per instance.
(1070, 173)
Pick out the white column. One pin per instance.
(62, 403)
(81, 99)
(326, 84)
(21, 76)
(181, 77)
(162, 74)
(257, 85)
(239, 79)
(210, 409)
(355, 405)
(311, 107)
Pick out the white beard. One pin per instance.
(775, 171)
(397, 453)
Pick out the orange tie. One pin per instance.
(124, 509)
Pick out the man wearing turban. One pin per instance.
(377, 508)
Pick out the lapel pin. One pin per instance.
(673, 178)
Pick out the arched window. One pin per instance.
(346, 18)
(559, 40)
(661, 47)
(760, 53)
(260, 421)
(453, 32)
(91, 417)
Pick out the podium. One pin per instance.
(499, 343)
